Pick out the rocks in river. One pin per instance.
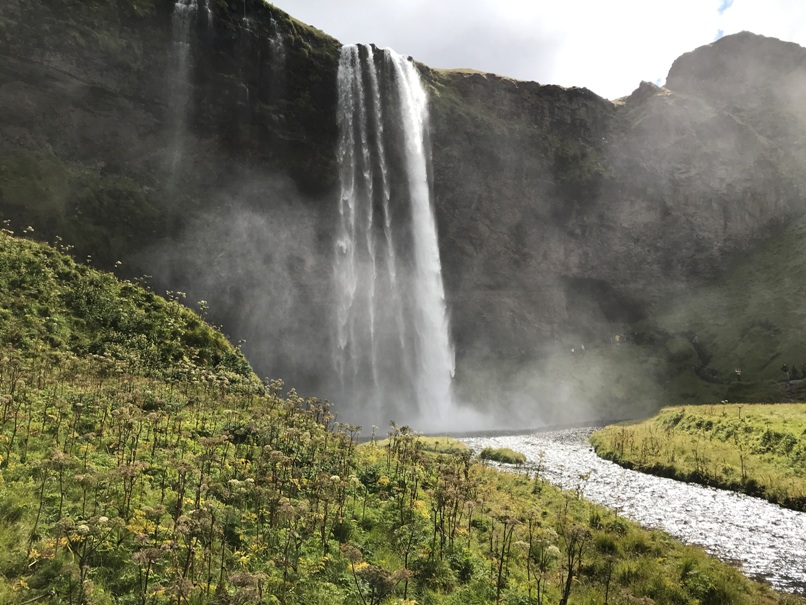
(767, 540)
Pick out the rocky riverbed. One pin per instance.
(767, 541)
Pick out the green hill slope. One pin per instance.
(755, 449)
(141, 462)
(50, 305)
(751, 319)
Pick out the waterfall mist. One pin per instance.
(392, 353)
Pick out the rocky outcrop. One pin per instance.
(563, 217)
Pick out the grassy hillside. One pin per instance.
(143, 463)
(755, 449)
(52, 308)
(752, 319)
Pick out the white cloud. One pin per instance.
(607, 46)
(784, 19)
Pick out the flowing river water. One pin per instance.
(767, 541)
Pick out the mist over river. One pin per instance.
(768, 542)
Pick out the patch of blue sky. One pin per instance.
(724, 5)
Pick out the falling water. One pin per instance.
(277, 43)
(184, 13)
(210, 16)
(278, 58)
(184, 17)
(393, 356)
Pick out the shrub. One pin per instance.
(503, 455)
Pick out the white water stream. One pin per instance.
(393, 354)
(768, 541)
(182, 22)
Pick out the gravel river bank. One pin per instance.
(767, 541)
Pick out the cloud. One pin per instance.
(784, 19)
(608, 47)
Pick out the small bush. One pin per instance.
(503, 455)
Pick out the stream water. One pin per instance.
(767, 541)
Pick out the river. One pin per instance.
(767, 541)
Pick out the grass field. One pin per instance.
(758, 449)
(142, 462)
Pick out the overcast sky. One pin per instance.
(608, 46)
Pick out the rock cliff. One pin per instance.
(568, 209)
(197, 144)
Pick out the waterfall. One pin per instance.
(278, 59)
(184, 17)
(210, 16)
(393, 352)
(277, 44)
(184, 12)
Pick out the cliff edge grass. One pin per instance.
(142, 462)
(756, 449)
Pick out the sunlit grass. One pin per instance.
(430, 443)
(756, 449)
(128, 472)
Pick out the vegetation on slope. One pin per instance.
(125, 480)
(756, 449)
(50, 307)
(751, 319)
(502, 454)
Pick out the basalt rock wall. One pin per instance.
(563, 214)
(200, 153)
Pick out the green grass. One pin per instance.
(619, 556)
(503, 454)
(756, 449)
(440, 445)
(752, 318)
(135, 478)
(50, 305)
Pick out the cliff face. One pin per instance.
(571, 212)
(192, 141)
(198, 146)
(108, 91)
